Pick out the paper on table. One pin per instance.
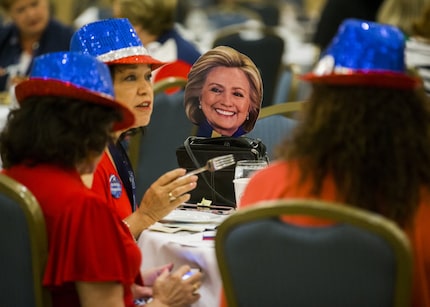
(172, 227)
(193, 216)
(193, 240)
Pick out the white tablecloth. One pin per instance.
(184, 248)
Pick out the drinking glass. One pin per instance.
(243, 172)
(245, 168)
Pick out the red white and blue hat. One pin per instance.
(112, 41)
(73, 75)
(364, 53)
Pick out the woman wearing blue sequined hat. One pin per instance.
(66, 117)
(115, 42)
(363, 139)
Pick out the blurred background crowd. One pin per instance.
(291, 33)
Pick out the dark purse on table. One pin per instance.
(217, 186)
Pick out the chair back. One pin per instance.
(168, 84)
(23, 240)
(289, 86)
(153, 152)
(221, 16)
(275, 123)
(270, 13)
(362, 259)
(262, 45)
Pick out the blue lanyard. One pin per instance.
(125, 171)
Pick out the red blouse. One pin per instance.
(105, 182)
(87, 241)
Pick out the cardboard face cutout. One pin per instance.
(224, 92)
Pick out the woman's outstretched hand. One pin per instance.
(164, 195)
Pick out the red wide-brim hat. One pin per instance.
(73, 75)
(132, 59)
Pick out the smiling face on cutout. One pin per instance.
(133, 87)
(225, 99)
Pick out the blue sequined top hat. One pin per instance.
(364, 53)
(73, 75)
(112, 41)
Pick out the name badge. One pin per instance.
(115, 186)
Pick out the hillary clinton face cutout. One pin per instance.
(225, 99)
(224, 93)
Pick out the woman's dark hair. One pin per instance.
(55, 130)
(421, 25)
(374, 142)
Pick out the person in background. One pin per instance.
(30, 32)
(115, 42)
(418, 47)
(401, 13)
(154, 21)
(68, 112)
(224, 93)
(334, 12)
(363, 139)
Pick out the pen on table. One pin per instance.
(208, 235)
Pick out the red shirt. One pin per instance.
(281, 181)
(87, 241)
(106, 181)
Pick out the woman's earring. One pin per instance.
(200, 106)
(247, 117)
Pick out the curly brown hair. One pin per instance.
(375, 142)
(55, 130)
(154, 16)
(6, 4)
(421, 26)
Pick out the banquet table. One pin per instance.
(193, 245)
